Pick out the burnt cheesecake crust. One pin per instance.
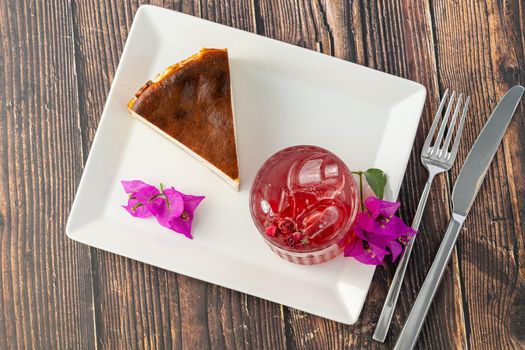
(191, 104)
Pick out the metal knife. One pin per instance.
(465, 190)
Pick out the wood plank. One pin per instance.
(404, 46)
(139, 305)
(45, 278)
(325, 28)
(480, 47)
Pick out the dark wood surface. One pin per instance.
(57, 61)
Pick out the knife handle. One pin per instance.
(410, 332)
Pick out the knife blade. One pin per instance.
(465, 190)
(480, 156)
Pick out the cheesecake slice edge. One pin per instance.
(233, 181)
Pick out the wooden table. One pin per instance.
(57, 61)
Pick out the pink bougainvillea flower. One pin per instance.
(171, 208)
(182, 222)
(134, 186)
(166, 206)
(377, 207)
(137, 209)
(137, 191)
(360, 251)
(378, 233)
(396, 248)
(146, 194)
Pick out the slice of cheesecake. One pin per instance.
(190, 103)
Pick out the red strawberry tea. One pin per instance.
(304, 201)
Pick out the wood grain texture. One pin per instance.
(45, 278)
(401, 42)
(57, 62)
(489, 36)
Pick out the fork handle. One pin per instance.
(410, 332)
(383, 324)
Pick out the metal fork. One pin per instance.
(436, 159)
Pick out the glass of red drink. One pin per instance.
(304, 201)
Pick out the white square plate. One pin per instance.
(283, 95)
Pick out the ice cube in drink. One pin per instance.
(303, 201)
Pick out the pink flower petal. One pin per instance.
(191, 202)
(378, 207)
(146, 194)
(176, 200)
(133, 185)
(356, 250)
(396, 249)
(367, 223)
(157, 206)
(379, 233)
(164, 209)
(181, 225)
(378, 251)
(396, 227)
(138, 211)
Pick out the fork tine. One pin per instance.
(441, 131)
(450, 131)
(435, 123)
(455, 146)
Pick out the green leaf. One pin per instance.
(376, 179)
